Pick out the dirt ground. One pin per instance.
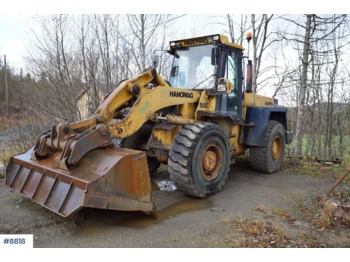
(253, 210)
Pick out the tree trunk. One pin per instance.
(303, 87)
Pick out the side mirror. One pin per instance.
(173, 52)
(215, 51)
(155, 61)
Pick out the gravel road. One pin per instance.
(182, 221)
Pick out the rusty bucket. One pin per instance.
(113, 178)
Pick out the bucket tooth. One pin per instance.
(44, 190)
(32, 185)
(11, 176)
(57, 195)
(74, 195)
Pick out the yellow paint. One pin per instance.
(224, 40)
(149, 103)
(234, 140)
(85, 124)
(254, 100)
(203, 40)
(206, 103)
(212, 102)
(244, 112)
(188, 110)
(203, 104)
(122, 94)
(178, 120)
(166, 136)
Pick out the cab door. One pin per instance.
(234, 76)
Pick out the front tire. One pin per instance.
(269, 157)
(199, 160)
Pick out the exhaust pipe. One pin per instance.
(249, 79)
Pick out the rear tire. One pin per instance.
(199, 160)
(137, 140)
(269, 158)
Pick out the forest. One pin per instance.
(302, 60)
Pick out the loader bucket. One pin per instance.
(115, 178)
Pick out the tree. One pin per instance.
(319, 60)
(261, 41)
(76, 54)
(52, 59)
(237, 26)
(303, 86)
(143, 36)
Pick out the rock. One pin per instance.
(166, 185)
(339, 213)
(2, 170)
(329, 207)
(301, 224)
(217, 209)
(346, 217)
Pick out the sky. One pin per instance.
(14, 17)
(15, 34)
(12, 40)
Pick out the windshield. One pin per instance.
(192, 68)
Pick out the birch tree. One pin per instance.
(303, 86)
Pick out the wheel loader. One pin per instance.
(197, 122)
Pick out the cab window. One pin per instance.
(232, 76)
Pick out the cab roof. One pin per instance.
(203, 40)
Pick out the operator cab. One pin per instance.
(192, 68)
(210, 63)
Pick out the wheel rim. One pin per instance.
(211, 161)
(276, 148)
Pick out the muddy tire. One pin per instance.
(199, 160)
(269, 158)
(137, 140)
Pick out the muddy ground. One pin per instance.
(253, 210)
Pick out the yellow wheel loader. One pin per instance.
(197, 122)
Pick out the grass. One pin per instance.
(11, 122)
(262, 232)
(310, 242)
(317, 215)
(335, 146)
(312, 168)
(283, 214)
(20, 131)
(323, 211)
(7, 153)
(256, 233)
(258, 228)
(275, 211)
(261, 208)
